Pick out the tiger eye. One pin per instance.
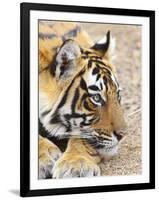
(96, 97)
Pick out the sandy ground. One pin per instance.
(128, 66)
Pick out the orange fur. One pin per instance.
(78, 153)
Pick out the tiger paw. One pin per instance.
(78, 166)
(49, 153)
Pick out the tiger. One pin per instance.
(79, 99)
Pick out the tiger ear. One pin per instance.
(105, 47)
(65, 60)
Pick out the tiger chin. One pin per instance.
(79, 99)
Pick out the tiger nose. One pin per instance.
(119, 135)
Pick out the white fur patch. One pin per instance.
(110, 149)
(103, 40)
(110, 52)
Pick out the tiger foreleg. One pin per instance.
(77, 161)
(49, 153)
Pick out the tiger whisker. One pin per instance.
(134, 112)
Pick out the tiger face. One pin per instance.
(79, 96)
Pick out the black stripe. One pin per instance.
(85, 123)
(118, 96)
(103, 46)
(52, 66)
(89, 63)
(63, 67)
(99, 62)
(76, 115)
(85, 104)
(106, 70)
(95, 57)
(63, 101)
(94, 88)
(87, 52)
(69, 128)
(45, 112)
(81, 72)
(93, 119)
(84, 57)
(106, 82)
(98, 77)
(55, 119)
(101, 86)
(84, 96)
(106, 85)
(83, 84)
(95, 71)
(75, 99)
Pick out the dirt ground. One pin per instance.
(128, 66)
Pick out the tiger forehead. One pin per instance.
(87, 54)
(94, 59)
(100, 69)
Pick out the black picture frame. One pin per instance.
(25, 9)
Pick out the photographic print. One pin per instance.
(84, 62)
(89, 115)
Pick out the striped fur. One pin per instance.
(78, 92)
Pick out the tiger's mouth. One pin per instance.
(99, 142)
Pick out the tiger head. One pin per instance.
(80, 95)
